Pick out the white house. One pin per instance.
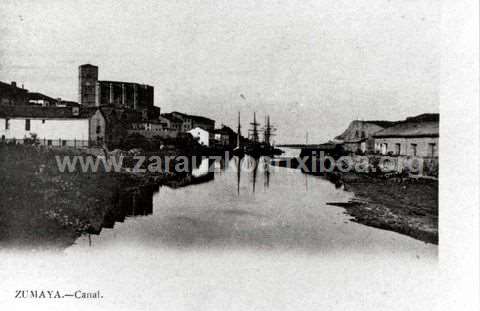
(202, 135)
(52, 126)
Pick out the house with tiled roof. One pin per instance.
(53, 126)
(416, 136)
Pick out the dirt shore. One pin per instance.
(404, 205)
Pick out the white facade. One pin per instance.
(55, 131)
(405, 146)
(202, 135)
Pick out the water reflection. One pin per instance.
(226, 210)
(139, 201)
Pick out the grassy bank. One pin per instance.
(404, 205)
(41, 207)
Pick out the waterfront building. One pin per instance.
(190, 122)
(53, 126)
(10, 94)
(416, 136)
(152, 128)
(359, 135)
(171, 122)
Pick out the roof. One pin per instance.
(39, 96)
(411, 128)
(194, 117)
(12, 87)
(435, 117)
(125, 82)
(88, 65)
(171, 117)
(44, 112)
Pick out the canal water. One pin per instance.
(249, 237)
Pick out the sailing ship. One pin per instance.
(255, 148)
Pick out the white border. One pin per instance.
(459, 166)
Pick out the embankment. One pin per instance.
(404, 205)
(40, 207)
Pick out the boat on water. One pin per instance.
(255, 148)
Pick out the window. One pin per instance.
(356, 134)
(7, 124)
(99, 129)
(414, 149)
(43, 121)
(27, 125)
(398, 149)
(384, 148)
(64, 142)
(363, 134)
(49, 142)
(432, 147)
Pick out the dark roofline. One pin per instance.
(191, 116)
(125, 82)
(48, 113)
(435, 117)
(10, 85)
(38, 95)
(410, 121)
(171, 117)
(406, 135)
(87, 65)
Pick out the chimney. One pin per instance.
(14, 84)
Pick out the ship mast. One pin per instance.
(254, 129)
(268, 131)
(238, 131)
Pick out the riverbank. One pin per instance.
(405, 205)
(40, 207)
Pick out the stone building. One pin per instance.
(117, 94)
(416, 136)
(87, 79)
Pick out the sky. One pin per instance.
(312, 65)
